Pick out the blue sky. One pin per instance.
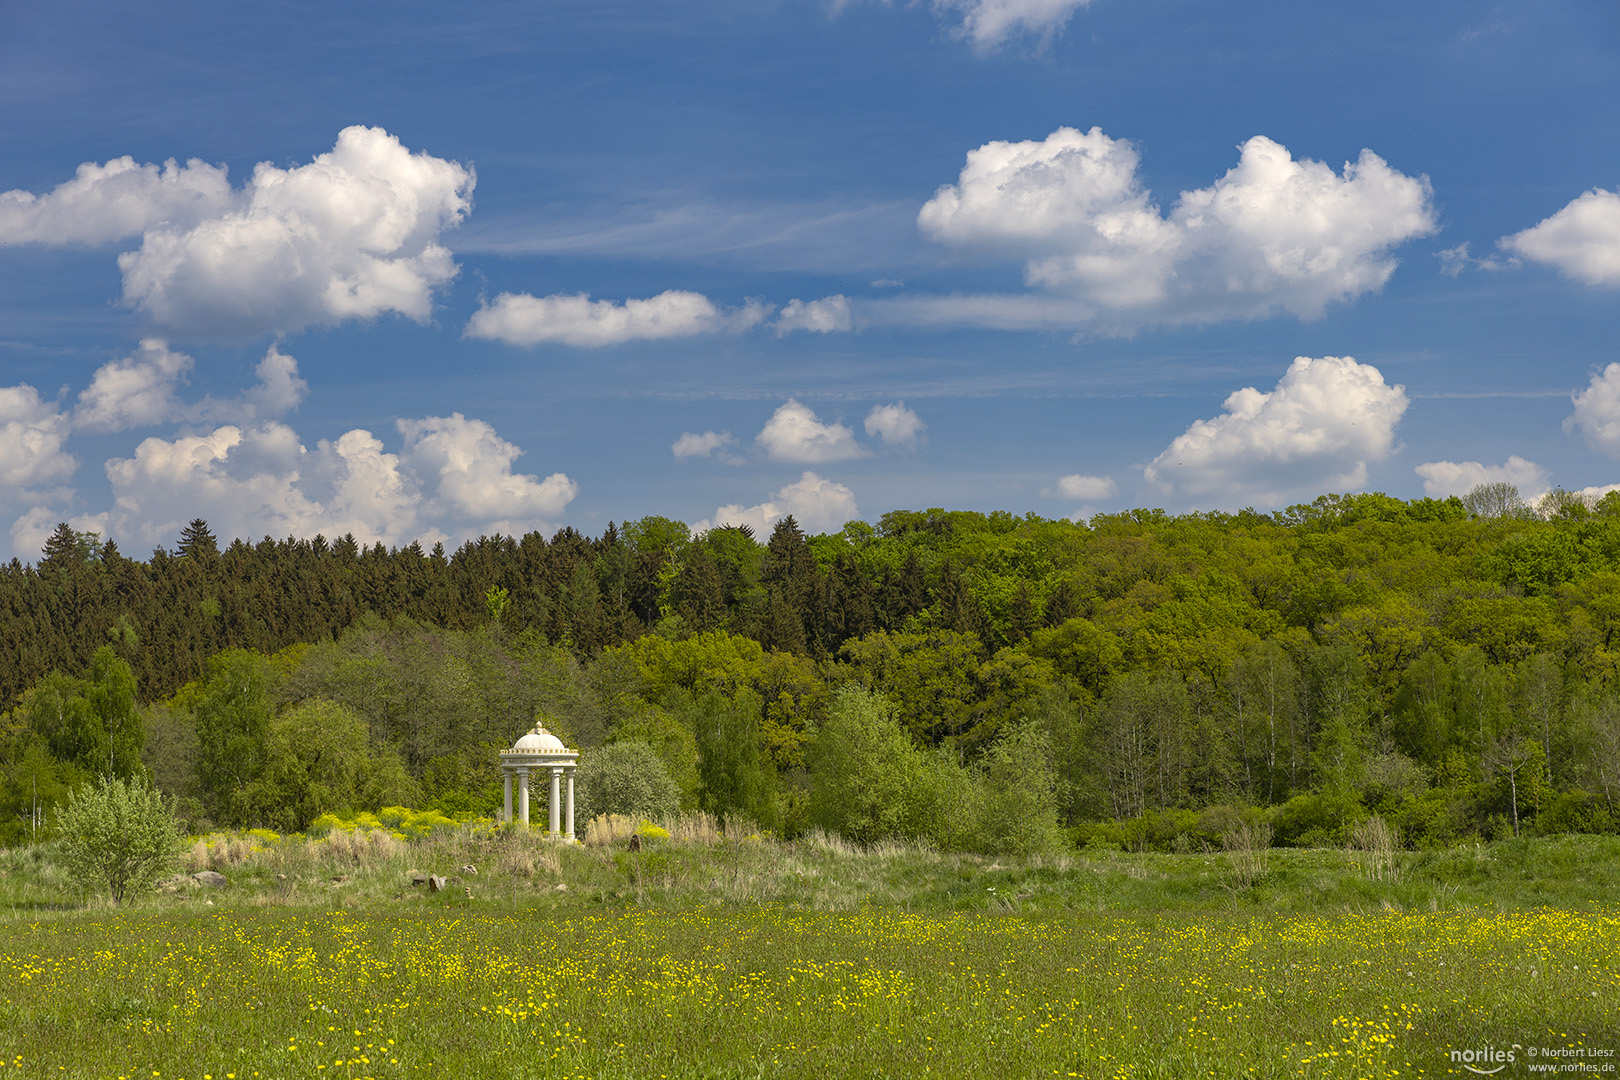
(423, 273)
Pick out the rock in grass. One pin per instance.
(418, 878)
(209, 878)
(469, 869)
(435, 883)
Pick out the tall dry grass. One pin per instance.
(1375, 846)
(1248, 849)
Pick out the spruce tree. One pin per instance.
(1062, 605)
(62, 549)
(700, 594)
(791, 583)
(197, 542)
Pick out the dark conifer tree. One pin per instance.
(790, 580)
(700, 594)
(1021, 617)
(784, 626)
(65, 548)
(957, 608)
(613, 571)
(196, 541)
(851, 603)
(1062, 605)
(642, 586)
(903, 593)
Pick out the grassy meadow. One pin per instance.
(701, 956)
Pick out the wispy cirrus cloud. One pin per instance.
(522, 319)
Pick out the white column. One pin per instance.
(570, 804)
(555, 803)
(506, 777)
(523, 796)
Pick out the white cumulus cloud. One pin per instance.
(1082, 487)
(1582, 239)
(1272, 235)
(1315, 432)
(140, 390)
(521, 319)
(280, 388)
(134, 391)
(830, 314)
(795, 433)
(33, 446)
(469, 469)
(1443, 478)
(247, 482)
(120, 199)
(818, 505)
(352, 235)
(451, 478)
(896, 425)
(1597, 411)
(719, 445)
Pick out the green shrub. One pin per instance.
(867, 780)
(1018, 808)
(626, 778)
(120, 835)
(1573, 811)
(318, 758)
(1319, 818)
(949, 803)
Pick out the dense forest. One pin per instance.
(1137, 679)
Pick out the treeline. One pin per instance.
(1448, 664)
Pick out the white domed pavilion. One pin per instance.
(540, 749)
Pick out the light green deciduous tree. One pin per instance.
(119, 835)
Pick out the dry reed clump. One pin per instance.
(360, 845)
(693, 828)
(606, 829)
(1249, 847)
(740, 828)
(220, 851)
(1375, 846)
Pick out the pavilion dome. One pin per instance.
(538, 741)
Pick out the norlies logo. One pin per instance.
(1485, 1056)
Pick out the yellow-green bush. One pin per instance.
(401, 821)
